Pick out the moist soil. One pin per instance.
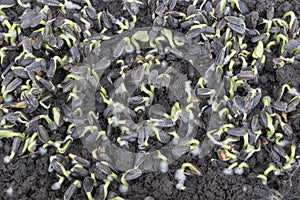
(28, 176)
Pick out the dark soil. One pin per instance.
(29, 178)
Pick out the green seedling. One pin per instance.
(164, 162)
(57, 185)
(292, 16)
(284, 39)
(229, 169)
(150, 93)
(10, 134)
(32, 142)
(175, 112)
(127, 176)
(284, 87)
(169, 35)
(67, 143)
(23, 5)
(264, 176)
(240, 168)
(202, 82)
(181, 177)
(259, 50)
(67, 37)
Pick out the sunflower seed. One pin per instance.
(292, 45)
(279, 150)
(255, 125)
(204, 92)
(88, 184)
(287, 129)
(238, 132)
(14, 84)
(246, 75)
(292, 106)
(279, 105)
(43, 135)
(236, 28)
(104, 168)
(257, 38)
(234, 20)
(194, 33)
(132, 174)
(53, 3)
(106, 20)
(80, 171)
(37, 20)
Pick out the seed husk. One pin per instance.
(238, 131)
(246, 75)
(279, 105)
(234, 20)
(237, 28)
(258, 37)
(292, 45)
(132, 174)
(14, 84)
(43, 135)
(88, 184)
(292, 106)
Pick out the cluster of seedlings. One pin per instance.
(142, 102)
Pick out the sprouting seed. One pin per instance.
(88, 186)
(164, 137)
(71, 189)
(80, 171)
(27, 45)
(37, 19)
(104, 168)
(20, 71)
(47, 84)
(35, 66)
(13, 85)
(132, 174)
(31, 102)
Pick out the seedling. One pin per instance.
(264, 176)
(181, 177)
